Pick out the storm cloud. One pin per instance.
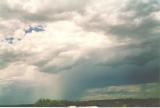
(86, 44)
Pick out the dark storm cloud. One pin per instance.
(127, 71)
(139, 64)
(143, 8)
(136, 61)
(143, 31)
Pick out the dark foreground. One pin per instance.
(98, 103)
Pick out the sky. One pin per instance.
(72, 49)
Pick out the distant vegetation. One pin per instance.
(100, 103)
(49, 103)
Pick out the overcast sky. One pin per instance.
(84, 45)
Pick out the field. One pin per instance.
(98, 103)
